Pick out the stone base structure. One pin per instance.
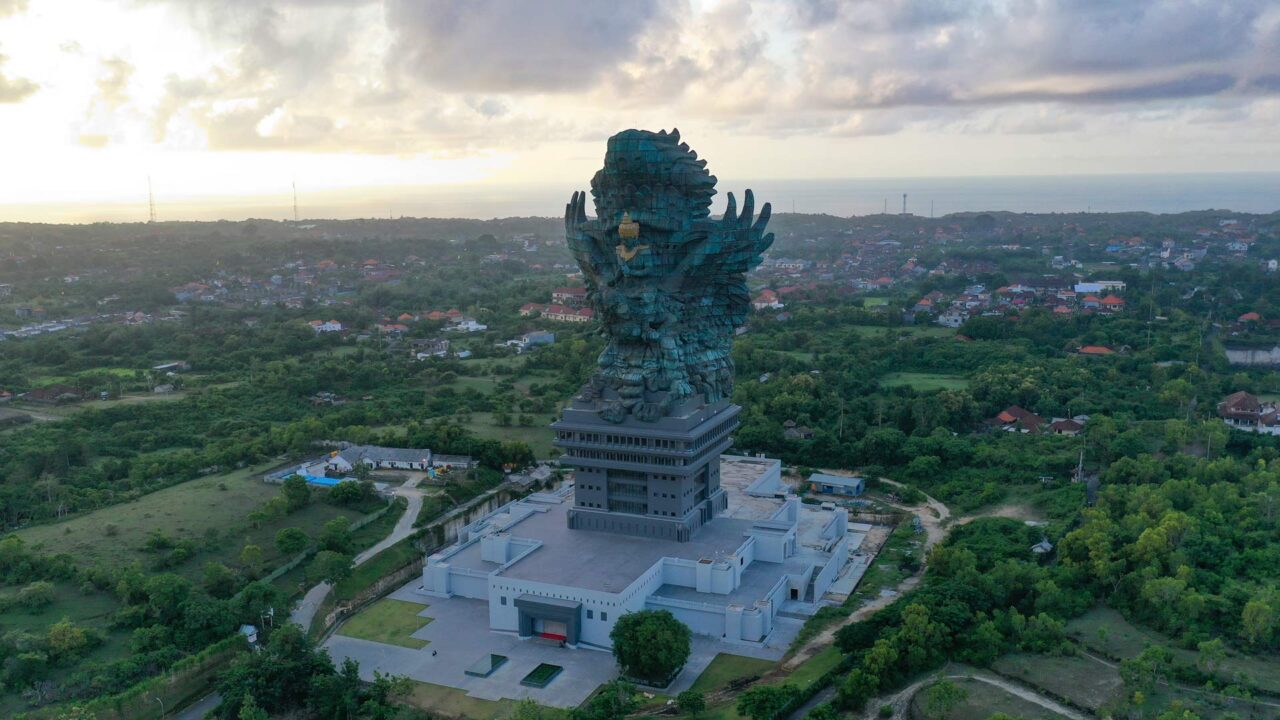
(647, 479)
(547, 581)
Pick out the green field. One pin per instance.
(211, 511)
(1080, 679)
(982, 702)
(924, 381)
(538, 434)
(868, 302)
(726, 668)
(388, 621)
(1109, 633)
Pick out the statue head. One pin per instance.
(655, 179)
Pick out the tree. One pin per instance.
(329, 566)
(296, 493)
(943, 697)
(691, 702)
(251, 559)
(165, 595)
(66, 641)
(249, 710)
(336, 535)
(219, 580)
(614, 701)
(291, 541)
(36, 596)
(278, 678)
(651, 645)
(527, 709)
(766, 702)
(1258, 622)
(1212, 653)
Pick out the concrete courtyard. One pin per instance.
(459, 636)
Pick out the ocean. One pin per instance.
(1240, 192)
(1244, 192)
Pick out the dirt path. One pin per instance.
(900, 700)
(933, 521)
(1021, 512)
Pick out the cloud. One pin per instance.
(12, 7)
(14, 89)
(514, 47)
(876, 54)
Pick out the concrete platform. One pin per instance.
(460, 635)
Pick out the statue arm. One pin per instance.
(598, 265)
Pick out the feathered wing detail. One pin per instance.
(598, 263)
(713, 285)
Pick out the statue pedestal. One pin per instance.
(648, 479)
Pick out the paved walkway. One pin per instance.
(305, 611)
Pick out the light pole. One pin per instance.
(159, 700)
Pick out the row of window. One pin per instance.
(626, 457)
(660, 443)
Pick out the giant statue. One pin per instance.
(666, 280)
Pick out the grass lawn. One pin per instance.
(447, 702)
(114, 536)
(868, 302)
(388, 621)
(726, 668)
(538, 434)
(1109, 633)
(924, 381)
(815, 667)
(393, 558)
(983, 701)
(1080, 679)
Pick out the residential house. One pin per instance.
(1094, 350)
(571, 296)
(952, 318)
(325, 326)
(564, 313)
(530, 309)
(767, 300)
(1112, 303)
(423, 348)
(1017, 419)
(792, 431)
(1066, 426)
(1245, 411)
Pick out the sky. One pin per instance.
(224, 104)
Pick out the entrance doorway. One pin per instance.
(551, 629)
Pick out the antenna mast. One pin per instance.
(295, 201)
(904, 203)
(151, 202)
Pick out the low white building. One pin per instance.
(730, 581)
(379, 458)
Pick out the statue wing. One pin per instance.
(727, 249)
(598, 263)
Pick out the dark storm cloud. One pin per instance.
(517, 47)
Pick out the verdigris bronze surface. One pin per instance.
(667, 281)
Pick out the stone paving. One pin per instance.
(460, 635)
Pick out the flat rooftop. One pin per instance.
(603, 561)
(609, 562)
